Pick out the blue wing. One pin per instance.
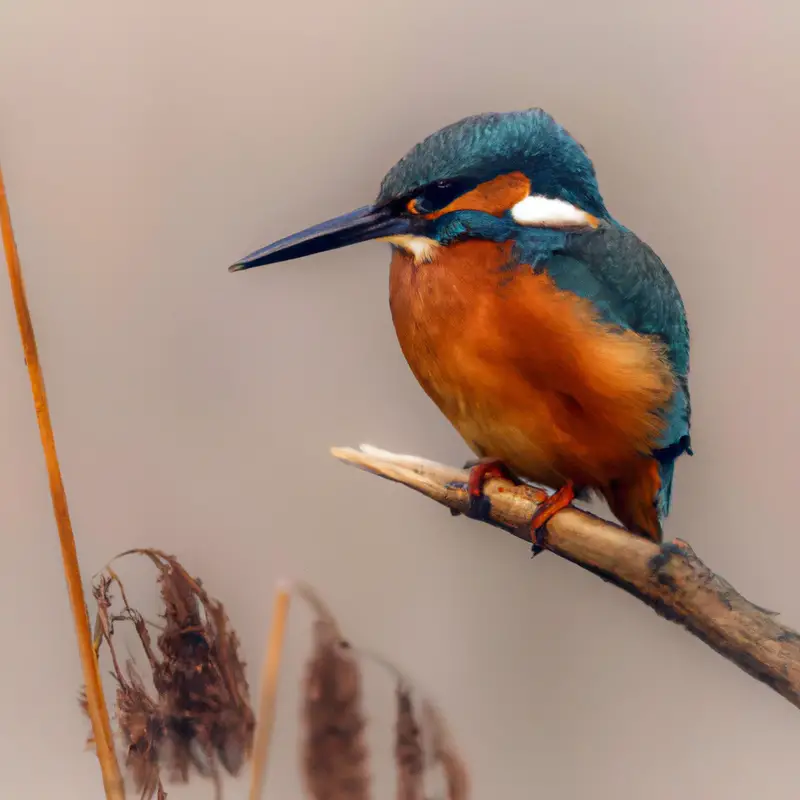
(630, 287)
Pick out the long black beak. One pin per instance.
(361, 225)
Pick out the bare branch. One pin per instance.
(671, 580)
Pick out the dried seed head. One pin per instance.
(200, 716)
(201, 681)
(142, 726)
(335, 752)
(444, 753)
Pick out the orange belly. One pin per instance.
(524, 371)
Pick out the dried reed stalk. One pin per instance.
(269, 692)
(673, 580)
(95, 701)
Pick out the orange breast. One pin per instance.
(524, 371)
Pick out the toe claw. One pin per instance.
(539, 539)
(537, 546)
(480, 508)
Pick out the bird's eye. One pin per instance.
(439, 194)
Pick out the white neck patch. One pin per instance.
(421, 248)
(537, 210)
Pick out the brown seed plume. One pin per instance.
(335, 758)
(408, 750)
(444, 753)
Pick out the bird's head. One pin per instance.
(492, 176)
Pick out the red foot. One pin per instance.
(480, 472)
(548, 509)
(483, 471)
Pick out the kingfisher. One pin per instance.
(552, 338)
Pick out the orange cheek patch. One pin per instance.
(492, 197)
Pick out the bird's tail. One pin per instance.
(666, 471)
(666, 458)
(635, 500)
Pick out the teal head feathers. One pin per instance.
(558, 191)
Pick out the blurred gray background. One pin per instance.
(147, 145)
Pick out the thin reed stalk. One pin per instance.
(269, 692)
(98, 713)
